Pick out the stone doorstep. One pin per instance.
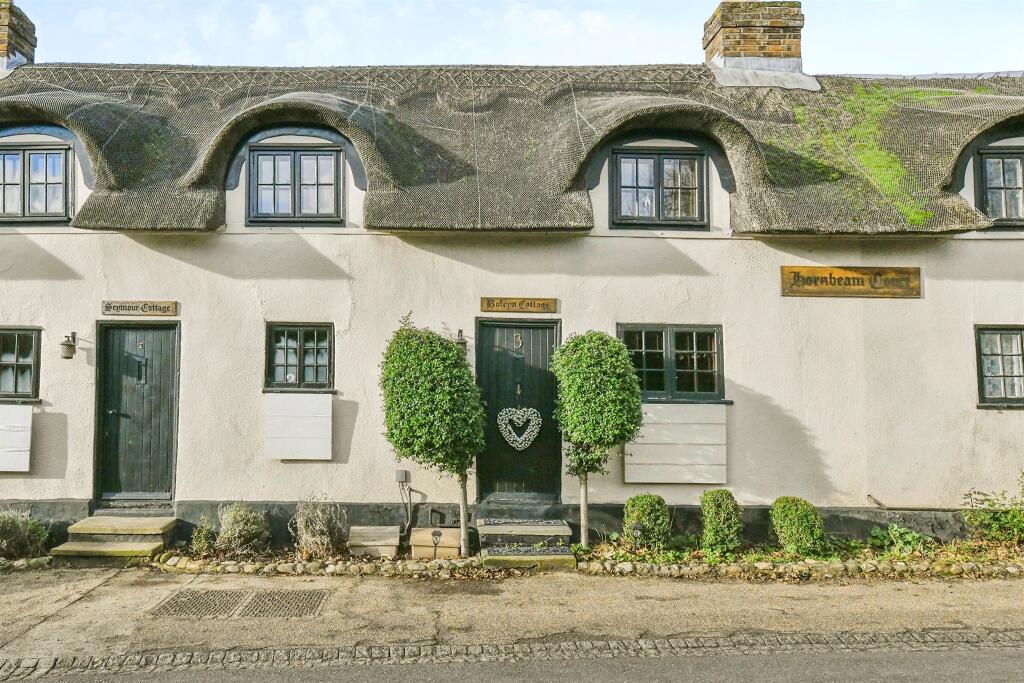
(522, 532)
(118, 525)
(546, 563)
(108, 549)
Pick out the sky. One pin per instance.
(840, 36)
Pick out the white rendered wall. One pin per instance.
(834, 399)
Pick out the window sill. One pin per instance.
(685, 401)
(693, 227)
(11, 400)
(295, 222)
(271, 390)
(1000, 406)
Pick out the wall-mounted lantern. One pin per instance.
(462, 342)
(69, 346)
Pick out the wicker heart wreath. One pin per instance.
(519, 417)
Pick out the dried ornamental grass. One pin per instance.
(318, 529)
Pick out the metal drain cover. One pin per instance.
(285, 603)
(200, 603)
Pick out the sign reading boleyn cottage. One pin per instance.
(899, 283)
(500, 304)
(147, 308)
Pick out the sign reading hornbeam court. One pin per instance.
(146, 308)
(898, 283)
(500, 304)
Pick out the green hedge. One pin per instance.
(721, 519)
(798, 526)
(652, 513)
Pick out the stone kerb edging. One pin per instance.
(806, 570)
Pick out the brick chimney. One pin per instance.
(17, 37)
(763, 36)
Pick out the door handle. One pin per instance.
(111, 412)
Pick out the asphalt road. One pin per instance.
(802, 668)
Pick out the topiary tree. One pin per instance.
(721, 521)
(798, 526)
(432, 407)
(651, 513)
(598, 405)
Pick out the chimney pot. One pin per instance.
(748, 34)
(17, 37)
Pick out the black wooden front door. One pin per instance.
(512, 368)
(138, 377)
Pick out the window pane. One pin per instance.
(325, 164)
(989, 342)
(279, 373)
(1012, 365)
(671, 202)
(993, 387)
(654, 340)
(1013, 203)
(37, 199)
(12, 199)
(654, 360)
(1014, 387)
(1011, 343)
(684, 341)
(325, 198)
(705, 361)
(278, 357)
(55, 199)
(293, 357)
(308, 373)
(1011, 173)
(321, 356)
(686, 382)
(265, 166)
(307, 199)
(283, 172)
(645, 172)
(707, 382)
(309, 356)
(705, 341)
(7, 379)
(284, 200)
(308, 169)
(633, 339)
(23, 384)
(265, 203)
(25, 348)
(7, 348)
(55, 168)
(993, 172)
(627, 172)
(992, 366)
(670, 175)
(685, 361)
(628, 203)
(645, 203)
(12, 168)
(291, 339)
(655, 381)
(688, 172)
(994, 204)
(37, 168)
(321, 375)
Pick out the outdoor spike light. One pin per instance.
(69, 346)
(435, 535)
(638, 530)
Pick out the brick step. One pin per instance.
(110, 549)
(530, 532)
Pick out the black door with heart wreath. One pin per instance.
(523, 456)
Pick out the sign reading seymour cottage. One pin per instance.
(900, 283)
(147, 308)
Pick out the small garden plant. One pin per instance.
(646, 523)
(997, 517)
(798, 526)
(721, 519)
(243, 531)
(21, 535)
(204, 538)
(318, 529)
(598, 406)
(432, 407)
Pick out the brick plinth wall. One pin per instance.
(754, 29)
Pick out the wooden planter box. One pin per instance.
(375, 541)
(422, 543)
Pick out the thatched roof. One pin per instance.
(505, 148)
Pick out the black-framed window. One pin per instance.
(19, 363)
(35, 183)
(1000, 364)
(1001, 184)
(676, 362)
(300, 356)
(658, 188)
(296, 184)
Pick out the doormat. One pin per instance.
(205, 604)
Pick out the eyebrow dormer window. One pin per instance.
(34, 184)
(1001, 187)
(658, 188)
(295, 185)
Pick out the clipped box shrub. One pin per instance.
(721, 519)
(243, 531)
(21, 535)
(798, 526)
(651, 512)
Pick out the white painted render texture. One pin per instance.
(833, 399)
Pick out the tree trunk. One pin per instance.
(463, 517)
(584, 513)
